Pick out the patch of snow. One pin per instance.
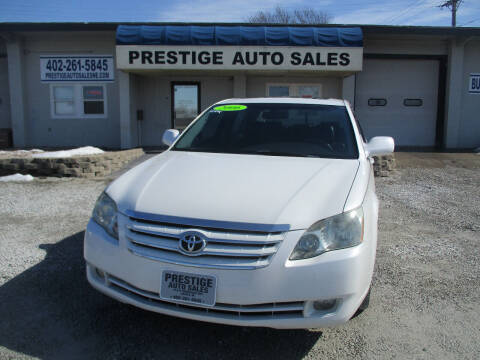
(86, 150)
(16, 177)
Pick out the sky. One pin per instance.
(386, 12)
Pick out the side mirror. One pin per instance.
(169, 136)
(380, 145)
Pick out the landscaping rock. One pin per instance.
(81, 166)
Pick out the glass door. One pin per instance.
(185, 104)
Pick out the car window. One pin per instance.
(273, 129)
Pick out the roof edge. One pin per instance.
(112, 26)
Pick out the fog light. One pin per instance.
(322, 305)
(100, 273)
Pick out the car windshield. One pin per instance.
(305, 130)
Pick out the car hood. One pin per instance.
(237, 188)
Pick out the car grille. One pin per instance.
(224, 250)
(277, 310)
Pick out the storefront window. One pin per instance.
(295, 90)
(307, 91)
(278, 91)
(77, 101)
(63, 100)
(93, 99)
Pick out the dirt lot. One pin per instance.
(425, 301)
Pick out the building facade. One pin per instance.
(121, 86)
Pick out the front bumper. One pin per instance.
(280, 295)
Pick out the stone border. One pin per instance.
(384, 165)
(89, 166)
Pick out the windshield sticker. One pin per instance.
(230, 108)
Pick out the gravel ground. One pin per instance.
(425, 299)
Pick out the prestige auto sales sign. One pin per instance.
(144, 57)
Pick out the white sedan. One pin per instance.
(261, 213)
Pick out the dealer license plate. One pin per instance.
(188, 288)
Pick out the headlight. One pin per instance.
(105, 214)
(337, 232)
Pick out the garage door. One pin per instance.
(398, 98)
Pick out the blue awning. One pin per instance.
(239, 35)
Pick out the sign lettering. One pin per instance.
(474, 84)
(57, 68)
(237, 58)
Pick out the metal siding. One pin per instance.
(42, 130)
(469, 134)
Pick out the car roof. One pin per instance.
(284, 100)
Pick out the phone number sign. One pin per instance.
(94, 68)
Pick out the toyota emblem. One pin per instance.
(192, 243)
